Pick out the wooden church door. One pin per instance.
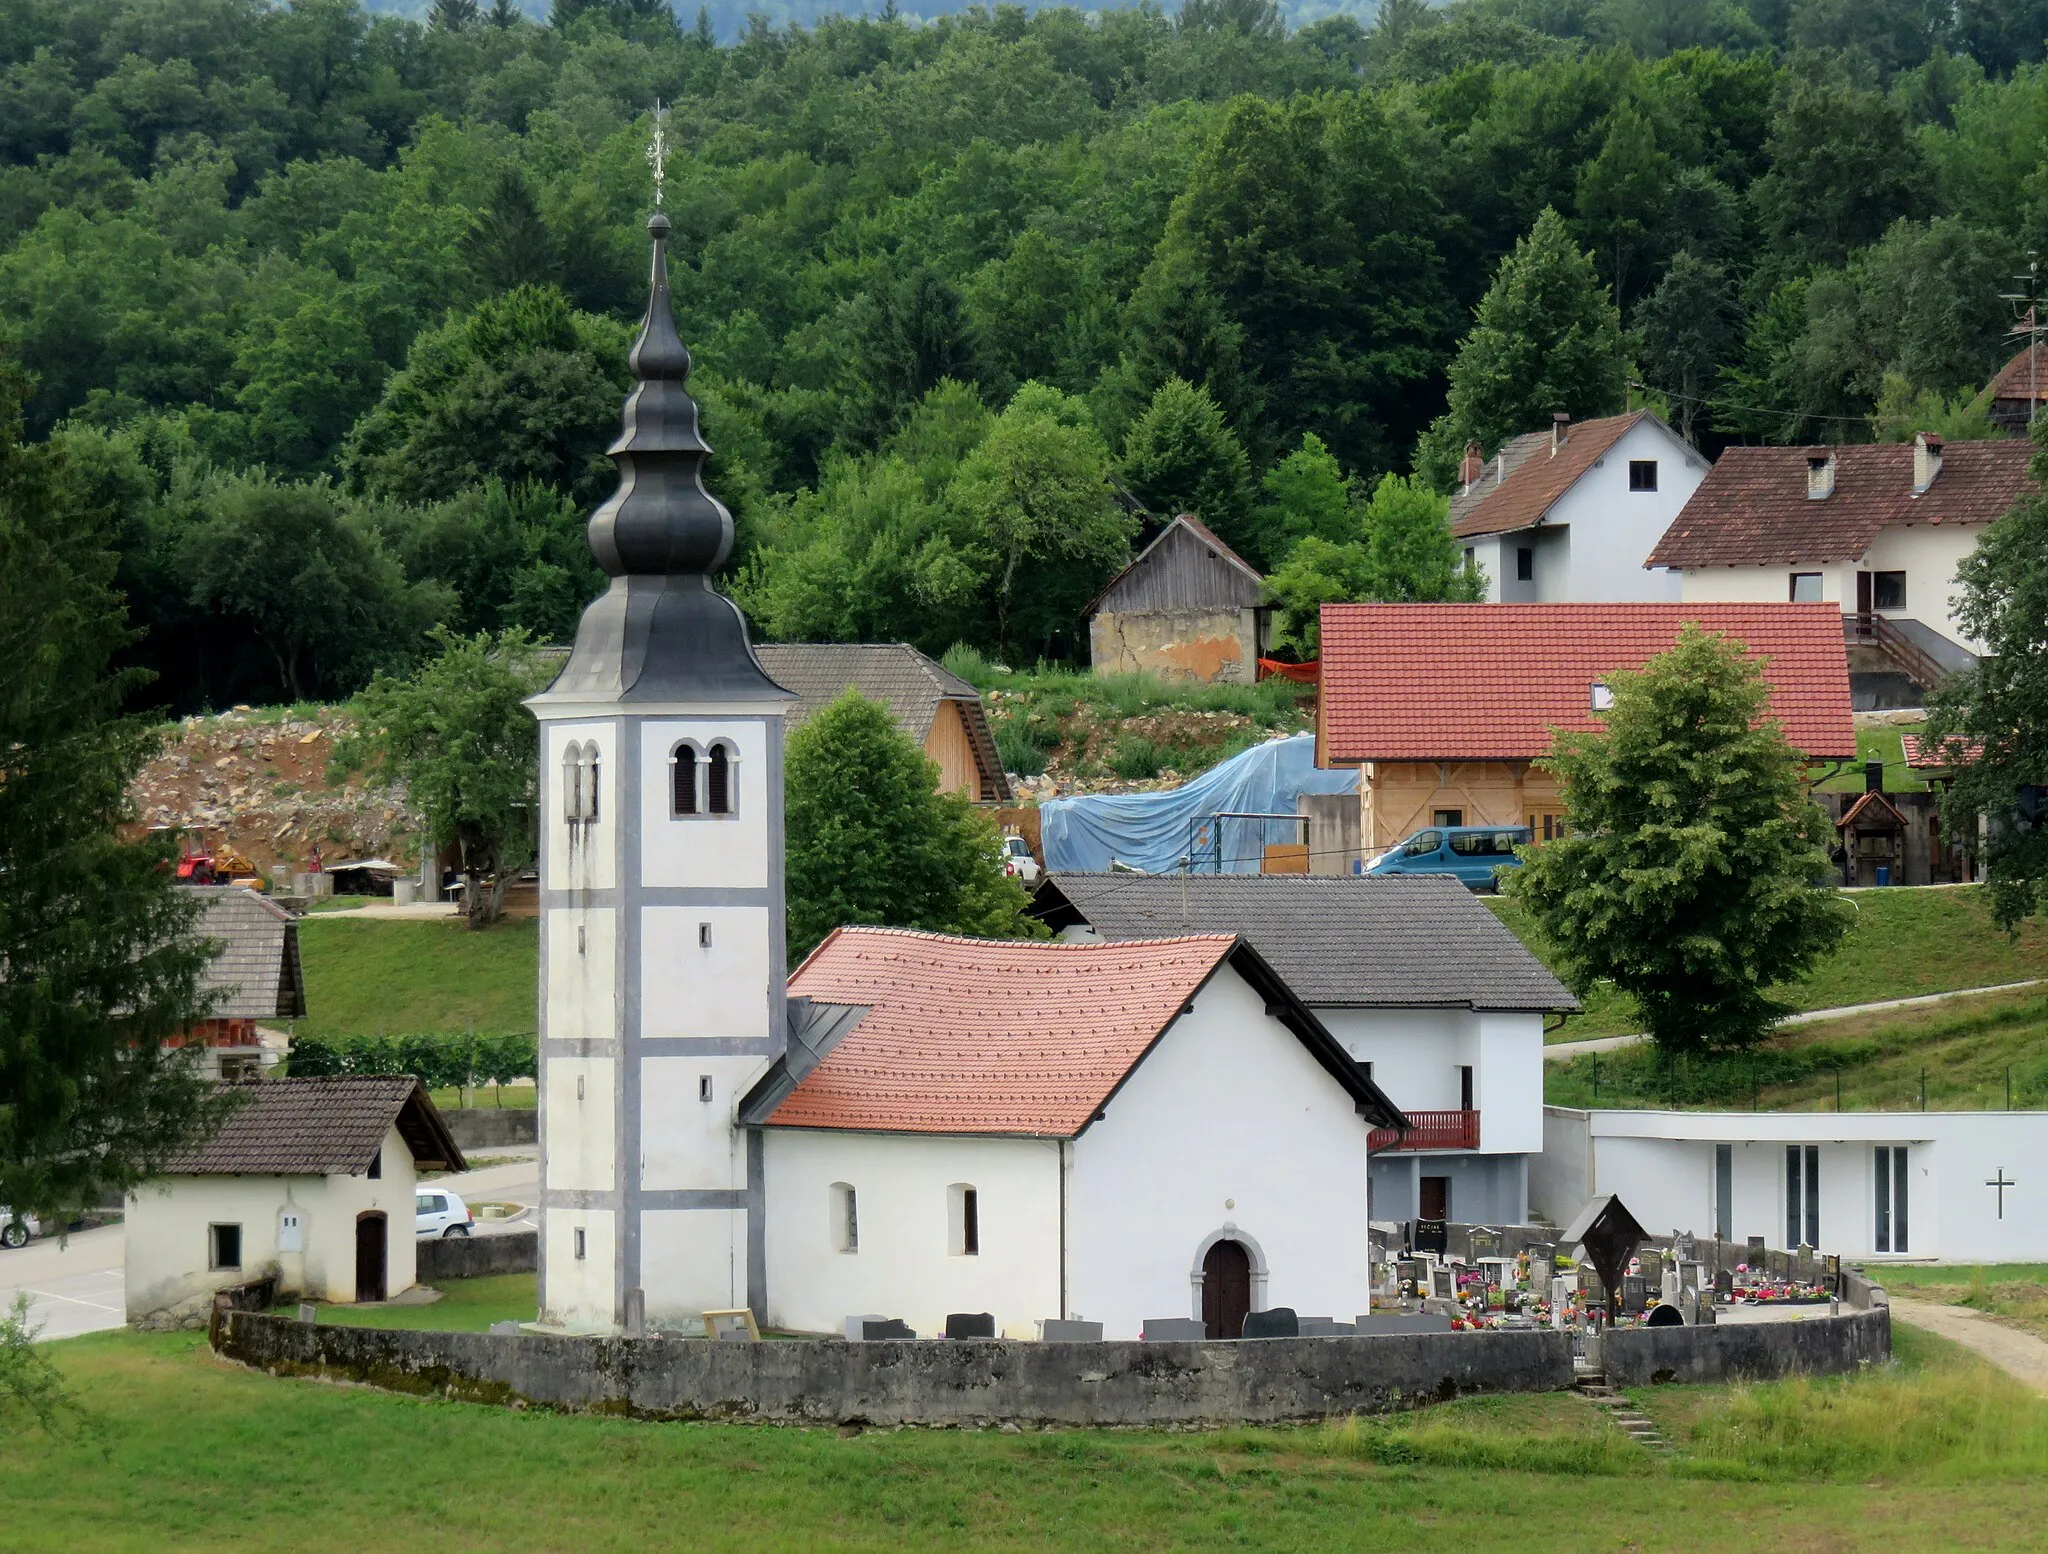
(1226, 1289)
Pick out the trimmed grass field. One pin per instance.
(1937, 1452)
(1903, 943)
(1958, 1055)
(385, 977)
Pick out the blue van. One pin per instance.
(1468, 853)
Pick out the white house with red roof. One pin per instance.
(1570, 512)
(1446, 708)
(1106, 1132)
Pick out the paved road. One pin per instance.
(1560, 1052)
(73, 1287)
(2021, 1356)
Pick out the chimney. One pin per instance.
(1558, 422)
(1473, 467)
(1926, 461)
(1873, 776)
(1820, 476)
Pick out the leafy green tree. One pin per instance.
(1843, 168)
(1997, 712)
(1316, 572)
(1546, 338)
(1688, 329)
(1181, 457)
(525, 388)
(308, 579)
(872, 840)
(101, 962)
(507, 556)
(458, 734)
(510, 245)
(1689, 875)
(1621, 196)
(1306, 493)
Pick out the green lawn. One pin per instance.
(1956, 1056)
(1903, 943)
(1938, 1452)
(2016, 1293)
(371, 977)
(465, 1306)
(1886, 745)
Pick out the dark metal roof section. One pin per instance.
(662, 631)
(1414, 941)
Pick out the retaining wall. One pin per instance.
(1745, 1351)
(470, 1257)
(922, 1382)
(483, 1127)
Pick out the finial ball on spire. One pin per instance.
(657, 226)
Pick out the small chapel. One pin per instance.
(909, 1124)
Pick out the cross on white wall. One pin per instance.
(1999, 1181)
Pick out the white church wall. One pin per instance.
(1228, 1128)
(716, 852)
(585, 857)
(582, 973)
(582, 1124)
(690, 989)
(580, 1290)
(687, 1142)
(904, 1265)
(692, 1261)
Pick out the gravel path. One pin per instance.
(2021, 1356)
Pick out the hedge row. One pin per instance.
(439, 1062)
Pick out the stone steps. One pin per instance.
(1636, 1426)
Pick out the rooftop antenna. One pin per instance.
(657, 150)
(2030, 327)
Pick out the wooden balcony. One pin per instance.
(1430, 1130)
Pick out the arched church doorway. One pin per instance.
(1226, 1289)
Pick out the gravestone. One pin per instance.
(1432, 1235)
(1664, 1316)
(1691, 1276)
(1054, 1330)
(1443, 1284)
(1276, 1322)
(1685, 1247)
(886, 1328)
(1756, 1250)
(857, 1327)
(1483, 1244)
(311, 1313)
(1542, 1264)
(1724, 1285)
(970, 1324)
(1668, 1291)
(1166, 1330)
(1412, 1280)
(1324, 1327)
(1689, 1307)
(1635, 1294)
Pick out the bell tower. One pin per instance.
(662, 950)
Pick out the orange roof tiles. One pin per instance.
(1926, 755)
(1536, 477)
(987, 1036)
(1753, 510)
(1442, 682)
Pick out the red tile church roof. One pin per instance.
(1445, 682)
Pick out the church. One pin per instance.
(911, 1124)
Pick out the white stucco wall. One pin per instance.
(904, 1266)
(1229, 1127)
(1592, 543)
(1661, 1164)
(723, 852)
(167, 1242)
(1416, 1053)
(687, 989)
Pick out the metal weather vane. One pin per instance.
(657, 150)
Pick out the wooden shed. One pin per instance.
(1188, 607)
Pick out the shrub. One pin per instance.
(1134, 757)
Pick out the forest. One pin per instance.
(328, 311)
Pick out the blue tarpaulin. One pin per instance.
(1151, 831)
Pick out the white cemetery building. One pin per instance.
(1919, 1186)
(664, 1008)
(1419, 982)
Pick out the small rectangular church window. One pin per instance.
(703, 1087)
(703, 936)
(579, 1243)
(970, 1222)
(845, 1219)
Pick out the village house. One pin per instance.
(1877, 530)
(308, 1182)
(1445, 708)
(1189, 607)
(1089, 1131)
(1430, 994)
(1952, 1186)
(2018, 391)
(1569, 512)
(940, 712)
(254, 976)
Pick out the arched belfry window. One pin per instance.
(718, 779)
(683, 780)
(590, 782)
(579, 782)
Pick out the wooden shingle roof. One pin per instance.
(255, 973)
(321, 1127)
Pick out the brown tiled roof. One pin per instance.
(1923, 754)
(2016, 380)
(1008, 1037)
(1753, 510)
(1535, 477)
(1441, 682)
(320, 1127)
(255, 974)
(1886, 812)
(895, 674)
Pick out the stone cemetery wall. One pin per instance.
(486, 1127)
(921, 1382)
(1746, 1351)
(471, 1257)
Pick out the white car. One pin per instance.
(1018, 862)
(15, 1229)
(438, 1212)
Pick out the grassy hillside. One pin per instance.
(366, 977)
(1904, 943)
(1960, 1052)
(190, 1453)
